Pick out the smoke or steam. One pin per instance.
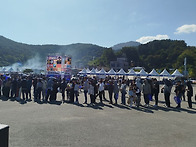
(34, 63)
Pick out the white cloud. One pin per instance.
(186, 29)
(146, 39)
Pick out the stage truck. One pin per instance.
(59, 66)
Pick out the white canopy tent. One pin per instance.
(153, 73)
(131, 73)
(93, 72)
(11, 69)
(176, 73)
(101, 73)
(165, 73)
(96, 70)
(142, 73)
(111, 72)
(83, 72)
(87, 70)
(121, 72)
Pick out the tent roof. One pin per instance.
(96, 70)
(111, 72)
(88, 70)
(11, 69)
(83, 71)
(165, 73)
(176, 73)
(92, 71)
(153, 73)
(101, 72)
(131, 72)
(143, 73)
(121, 72)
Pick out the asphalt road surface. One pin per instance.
(79, 125)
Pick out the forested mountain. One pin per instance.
(126, 44)
(11, 52)
(161, 54)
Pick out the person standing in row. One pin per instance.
(101, 90)
(63, 86)
(146, 92)
(39, 89)
(123, 92)
(167, 91)
(29, 85)
(85, 88)
(156, 91)
(76, 90)
(132, 95)
(116, 91)
(14, 85)
(49, 89)
(44, 88)
(91, 92)
(138, 91)
(179, 92)
(189, 93)
(110, 91)
(24, 87)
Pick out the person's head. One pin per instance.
(189, 83)
(178, 82)
(146, 81)
(101, 80)
(130, 87)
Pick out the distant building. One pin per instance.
(120, 63)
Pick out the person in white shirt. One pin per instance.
(101, 90)
(91, 92)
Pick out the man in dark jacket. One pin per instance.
(110, 90)
(179, 92)
(29, 85)
(189, 93)
(63, 85)
(14, 87)
(24, 87)
(156, 91)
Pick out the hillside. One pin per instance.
(126, 44)
(157, 54)
(160, 54)
(12, 52)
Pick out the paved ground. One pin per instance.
(36, 124)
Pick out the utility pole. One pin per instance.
(185, 70)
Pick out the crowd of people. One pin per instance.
(130, 92)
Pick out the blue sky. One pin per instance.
(101, 22)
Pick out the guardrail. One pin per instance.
(4, 135)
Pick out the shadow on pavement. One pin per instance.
(122, 106)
